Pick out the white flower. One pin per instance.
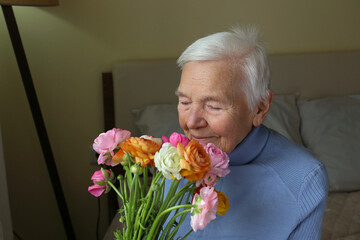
(167, 160)
(158, 141)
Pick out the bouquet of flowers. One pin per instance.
(164, 180)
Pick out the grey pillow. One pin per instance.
(283, 117)
(157, 120)
(330, 127)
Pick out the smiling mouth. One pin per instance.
(201, 139)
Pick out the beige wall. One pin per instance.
(69, 46)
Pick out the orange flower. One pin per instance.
(118, 157)
(143, 150)
(223, 204)
(196, 161)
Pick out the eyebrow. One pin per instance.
(179, 94)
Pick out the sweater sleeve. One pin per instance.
(311, 201)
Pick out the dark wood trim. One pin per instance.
(108, 100)
(109, 123)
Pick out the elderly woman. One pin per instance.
(277, 189)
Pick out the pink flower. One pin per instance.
(96, 190)
(175, 138)
(219, 166)
(209, 179)
(100, 179)
(219, 160)
(205, 210)
(105, 144)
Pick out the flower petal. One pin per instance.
(96, 190)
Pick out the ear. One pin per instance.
(261, 110)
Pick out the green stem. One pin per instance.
(153, 205)
(123, 198)
(146, 210)
(137, 223)
(140, 186)
(132, 212)
(182, 219)
(170, 194)
(125, 187)
(129, 176)
(159, 217)
(145, 180)
(187, 235)
(115, 189)
(171, 222)
(187, 188)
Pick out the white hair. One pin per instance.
(243, 48)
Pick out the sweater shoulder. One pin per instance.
(293, 163)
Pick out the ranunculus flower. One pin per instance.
(100, 179)
(224, 203)
(167, 160)
(219, 160)
(219, 166)
(205, 210)
(209, 179)
(175, 138)
(143, 150)
(106, 142)
(96, 190)
(196, 161)
(118, 157)
(154, 139)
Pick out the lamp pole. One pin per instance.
(37, 117)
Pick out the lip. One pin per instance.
(200, 139)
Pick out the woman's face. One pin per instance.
(212, 107)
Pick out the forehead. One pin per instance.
(206, 79)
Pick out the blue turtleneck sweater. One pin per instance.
(277, 190)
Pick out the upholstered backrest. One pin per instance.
(141, 83)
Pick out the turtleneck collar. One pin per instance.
(250, 146)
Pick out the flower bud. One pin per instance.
(108, 188)
(136, 169)
(127, 159)
(112, 176)
(120, 177)
(196, 202)
(101, 179)
(105, 173)
(155, 187)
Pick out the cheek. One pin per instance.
(181, 117)
(221, 126)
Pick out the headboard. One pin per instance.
(311, 75)
(137, 84)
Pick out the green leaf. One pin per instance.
(105, 173)
(118, 235)
(100, 183)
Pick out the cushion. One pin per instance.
(341, 217)
(330, 127)
(283, 117)
(157, 120)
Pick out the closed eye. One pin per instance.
(184, 103)
(215, 108)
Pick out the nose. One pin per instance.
(196, 118)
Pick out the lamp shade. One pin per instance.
(30, 2)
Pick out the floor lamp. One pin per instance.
(34, 104)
